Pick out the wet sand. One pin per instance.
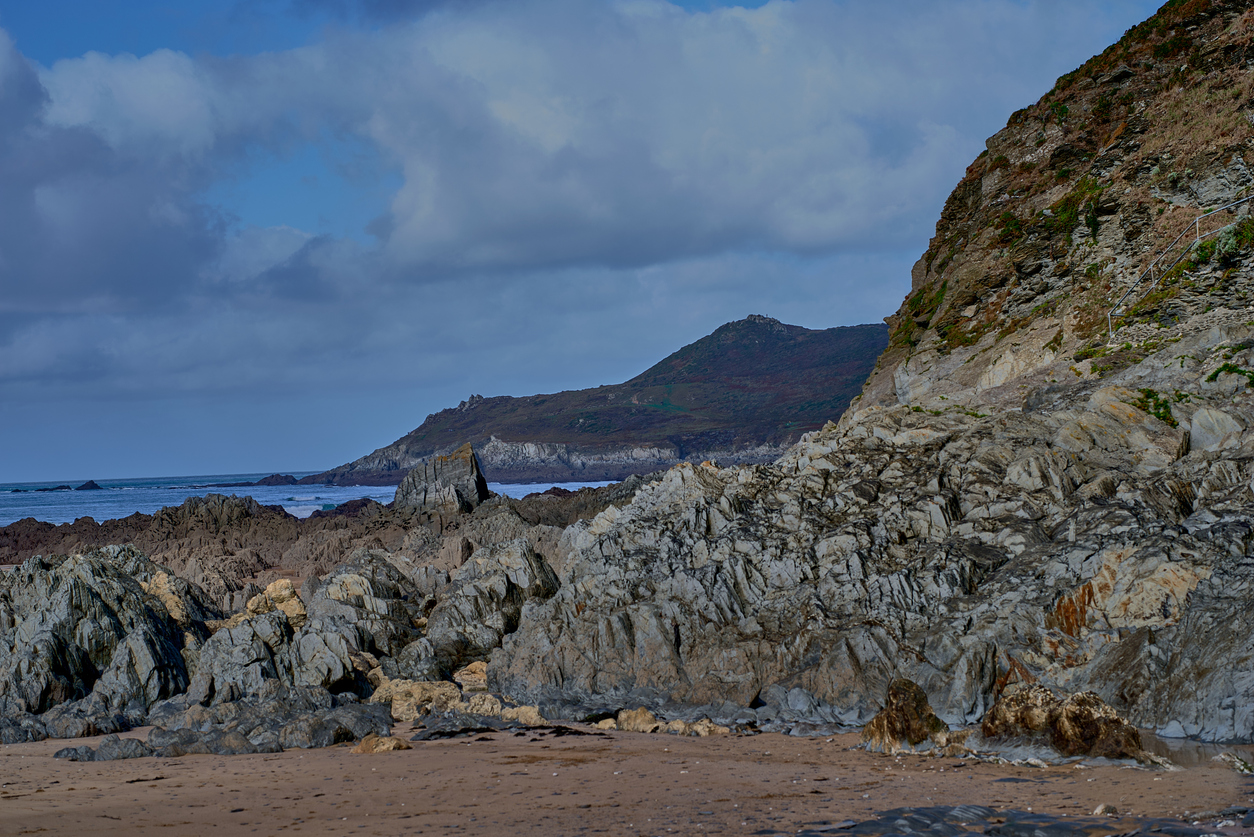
(542, 783)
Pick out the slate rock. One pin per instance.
(451, 484)
(21, 729)
(82, 629)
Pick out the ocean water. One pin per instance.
(122, 498)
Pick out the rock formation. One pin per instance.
(451, 484)
(1078, 725)
(1015, 507)
(905, 722)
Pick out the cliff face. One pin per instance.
(742, 394)
(1071, 203)
(1014, 499)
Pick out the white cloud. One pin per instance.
(581, 188)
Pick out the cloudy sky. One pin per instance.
(262, 235)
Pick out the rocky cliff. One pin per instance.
(1018, 496)
(741, 394)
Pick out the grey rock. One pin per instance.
(112, 748)
(274, 719)
(1209, 428)
(449, 484)
(82, 630)
(21, 729)
(1078, 547)
(484, 601)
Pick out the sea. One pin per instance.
(122, 498)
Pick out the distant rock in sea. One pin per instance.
(277, 479)
(90, 485)
(56, 488)
(273, 479)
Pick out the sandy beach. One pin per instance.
(548, 783)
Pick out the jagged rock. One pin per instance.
(22, 728)
(905, 721)
(482, 603)
(451, 484)
(273, 719)
(1078, 725)
(81, 631)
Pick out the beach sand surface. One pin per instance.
(542, 782)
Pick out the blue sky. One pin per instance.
(275, 234)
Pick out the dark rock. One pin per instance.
(1078, 725)
(75, 754)
(89, 716)
(451, 484)
(22, 728)
(56, 488)
(90, 485)
(451, 724)
(274, 719)
(82, 631)
(905, 721)
(113, 748)
(277, 479)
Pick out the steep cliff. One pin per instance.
(741, 394)
(1066, 211)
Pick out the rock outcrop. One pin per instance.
(1077, 725)
(451, 484)
(905, 722)
(83, 640)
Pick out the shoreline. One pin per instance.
(542, 782)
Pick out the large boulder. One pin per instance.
(1077, 725)
(450, 484)
(905, 722)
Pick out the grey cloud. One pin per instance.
(584, 187)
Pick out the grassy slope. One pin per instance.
(750, 382)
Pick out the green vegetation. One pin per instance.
(1067, 211)
(1232, 369)
(920, 306)
(1059, 111)
(1157, 406)
(1055, 342)
(1094, 350)
(1011, 228)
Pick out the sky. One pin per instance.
(273, 235)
